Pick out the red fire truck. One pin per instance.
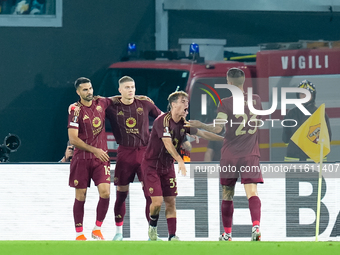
(162, 72)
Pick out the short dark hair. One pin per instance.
(235, 73)
(81, 80)
(125, 79)
(175, 95)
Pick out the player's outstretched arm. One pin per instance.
(80, 144)
(173, 152)
(217, 128)
(209, 136)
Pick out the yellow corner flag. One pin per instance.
(313, 134)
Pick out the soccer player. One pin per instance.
(240, 150)
(90, 160)
(168, 133)
(129, 118)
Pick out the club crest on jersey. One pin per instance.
(96, 122)
(131, 122)
(99, 108)
(314, 133)
(75, 182)
(151, 190)
(140, 110)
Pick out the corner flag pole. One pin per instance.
(319, 194)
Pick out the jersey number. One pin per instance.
(173, 183)
(107, 170)
(241, 128)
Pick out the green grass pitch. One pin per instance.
(166, 248)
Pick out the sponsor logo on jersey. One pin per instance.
(132, 130)
(131, 122)
(96, 122)
(140, 110)
(121, 113)
(86, 117)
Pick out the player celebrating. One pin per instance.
(129, 118)
(90, 160)
(240, 149)
(168, 133)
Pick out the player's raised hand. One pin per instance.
(181, 168)
(102, 155)
(195, 123)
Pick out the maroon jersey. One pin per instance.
(90, 121)
(241, 137)
(156, 154)
(130, 123)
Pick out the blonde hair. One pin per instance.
(125, 79)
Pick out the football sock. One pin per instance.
(171, 227)
(255, 209)
(119, 229)
(227, 215)
(98, 225)
(78, 214)
(147, 208)
(119, 208)
(102, 207)
(154, 220)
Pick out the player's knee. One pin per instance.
(170, 203)
(105, 194)
(81, 195)
(228, 192)
(157, 203)
(170, 207)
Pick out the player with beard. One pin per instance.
(90, 159)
